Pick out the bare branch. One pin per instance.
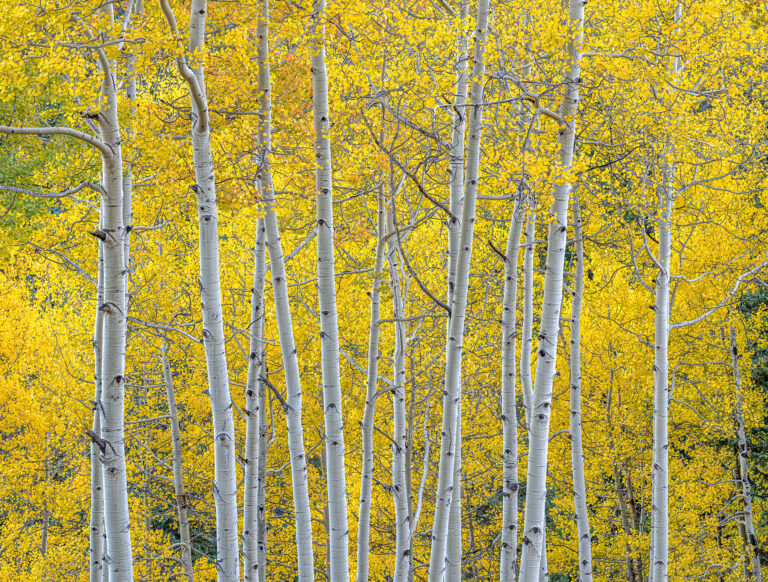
(62, 194)
(67, 131)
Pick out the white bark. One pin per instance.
(109, 340)
(329, 331)
(400, 489)
(746, 486)
(119, 558)
(97, 474)
(225, 478)
(510, 486)
(371, 396)
(456, 176)
(536, 484)
(293, 407)
(254, 550)
(526, 342)
(255, 402)
(454, 341)
(185, 547)
(660, 482)
(577, 449)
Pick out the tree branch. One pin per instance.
(67, 131)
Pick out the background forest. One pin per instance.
(384, 290)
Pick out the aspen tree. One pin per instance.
(326, 287)
(456, 187)
(400, 447)
(254, 567)
(182, 506)
(371, 394)
(510, 485)
(96, 545)
(659, 550)
(293, 403)
(755, 572)
(452, 390)
(225, 480)
(526, 338)
(536, 484)
(112, 444)
(255, 412)
(577, 448)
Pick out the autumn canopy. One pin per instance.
(406, 290)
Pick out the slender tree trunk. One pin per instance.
(371, 395)
(263, 451)
(255, 401)
(536, 484)
(746, 486)
(659, 551)
(225, 478)
(97, 474)
(510, 486)
(253, 566)
(454, 342)
(293, 405)
(185, 548)
(526, 342)
(577, 449)
(329, 331)
(400, 489)
(456, 175)
(660, 487)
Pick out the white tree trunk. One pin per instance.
(225, 477)
(746, 486)
(254, 549)
(510, 486)
(371, 395)
(456, 176)
(293, 406)
(329, 331)
(255, 401)
(526, 342)
(577, 449)
(400, 489)
(97, 474)
(117, 521)
(536, 484)
(185, 547)
(660, 487)
(454, 341)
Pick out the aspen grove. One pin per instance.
(415, 290)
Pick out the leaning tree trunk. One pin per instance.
(293, 405)
(577, 449)
(371, 396)
(454, 341)
(185, 545)
(746, 486)
(225, 477)
(510, 486)
(536, 489)
(326, 287)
